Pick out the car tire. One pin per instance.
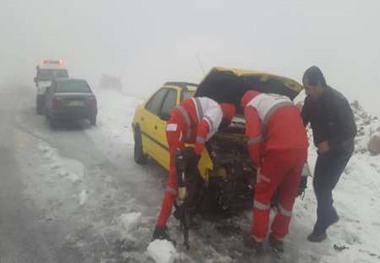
(138, 153)
(53, 124)
(39, 108)
(40, 104)
(93, 120)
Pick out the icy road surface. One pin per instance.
(75, 195)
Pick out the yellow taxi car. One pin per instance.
(225, 168)
(149, 122)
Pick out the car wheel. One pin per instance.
(138, 153)
(53, 123)
(93, 120)
(40, 109)
(40, 104)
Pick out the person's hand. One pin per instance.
(323, 147)
(191, 158)
(188, 152)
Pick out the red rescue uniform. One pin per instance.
(277, 144)
(195, 120)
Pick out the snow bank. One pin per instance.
(83, 197)
(367, 125)
(356, 197)
(115, 115)
(162, 251)
(59, 166)
(130, 221)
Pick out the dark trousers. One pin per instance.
(328, 170)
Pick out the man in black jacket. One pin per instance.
(334, 129)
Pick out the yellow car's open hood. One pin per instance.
(229, 85)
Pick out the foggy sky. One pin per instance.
(149, 42)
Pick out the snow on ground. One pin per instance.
(99, 213)
(83, 197)
(68, 168)
(115, 115)
(355, 237)
(129, 221)
(367, 127)
(357, 199)
(116, 203)
(54, 168)
(162, 251)
(357, 196)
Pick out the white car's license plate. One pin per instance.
(75, 103)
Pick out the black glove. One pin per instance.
(186, 159)
(188, 153)
(161, 233)
(178, 212)
(191, 157)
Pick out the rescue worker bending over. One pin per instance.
(195, 120)
(277, 144)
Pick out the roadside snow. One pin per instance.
(355, 237)
(367, 125)
(73, 177)
(83, 197)
(357, 198)
(162, 251)
(58, 166)
(129, 221)
(115, 115)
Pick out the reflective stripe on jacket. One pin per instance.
(266, 105)
(273, 122)
(200, 118)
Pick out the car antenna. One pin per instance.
(200, 63)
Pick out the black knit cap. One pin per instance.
(314, 76)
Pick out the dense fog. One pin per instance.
(146, 43)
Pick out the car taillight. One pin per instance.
(92, 102)
(57, 103)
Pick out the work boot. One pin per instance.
(162, 234)
(319, 231)
(318, 234)
(317, 237)
(250, 242)
(334, 219)
(276, 243)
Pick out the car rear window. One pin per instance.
(50, 74)
(79, 86)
